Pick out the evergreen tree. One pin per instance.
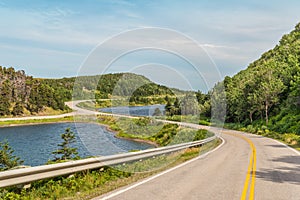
(7, 159)
(157, 112)
(65, 151)
(18, 109)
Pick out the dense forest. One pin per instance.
(25, 95)
(265, 96)
(268, 91)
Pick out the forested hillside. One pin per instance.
(25, 95)
(268, 91)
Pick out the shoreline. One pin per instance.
(106, 126)
(33, 124)
(139, 140)
(131, 139)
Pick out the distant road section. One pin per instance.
(71, 104)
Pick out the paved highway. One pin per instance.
(246, 166)
(227, 173)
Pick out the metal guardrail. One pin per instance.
(27, 175)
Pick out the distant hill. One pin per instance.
(25, 95)
(268, 91)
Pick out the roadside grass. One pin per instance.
(89, 105)
(290, 139)
(92, 183)
(187, 118)
(36, 121)
(47, 111)
(148, 129)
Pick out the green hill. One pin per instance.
(25, 95)
(268, 91)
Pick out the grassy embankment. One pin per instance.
(35, 121)
(147, 129)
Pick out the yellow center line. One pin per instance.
(252, 187)
(251, 170)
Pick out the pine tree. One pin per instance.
(7, 159)
(65, 152)
(157, 112)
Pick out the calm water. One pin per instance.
(35, 143)
(134, 110)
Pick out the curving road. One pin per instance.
(246, 166)
(227, 173)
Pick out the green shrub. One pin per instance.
(243, 129)
(251, 129)
(203, 122)
(291, 138)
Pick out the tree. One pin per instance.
(18, 109)
(218, 103)
(65, 152)
(7, 159)
(5, 94)
(189, 105)
(157, 112)
(270, 87)
(172, 109)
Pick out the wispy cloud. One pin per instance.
(218, 46)
(40, 50)
(234, 33)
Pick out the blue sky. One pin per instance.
(54, 38)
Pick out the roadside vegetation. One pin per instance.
(35, 121)
(156, 132)
(7, 158)
(291, 139)
(92, 183)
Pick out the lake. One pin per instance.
(35, 143)
(134, 110)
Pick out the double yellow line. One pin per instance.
(251, 170)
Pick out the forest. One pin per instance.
(268, 91)
(23, 95)
(263, 97)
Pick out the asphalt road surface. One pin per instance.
(271, 169)
(246, 166)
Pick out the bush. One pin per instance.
(251, 129)
(291, 138)
(203, 122)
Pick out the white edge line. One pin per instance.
(286, 146)
(160, 174)
(290, 148)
